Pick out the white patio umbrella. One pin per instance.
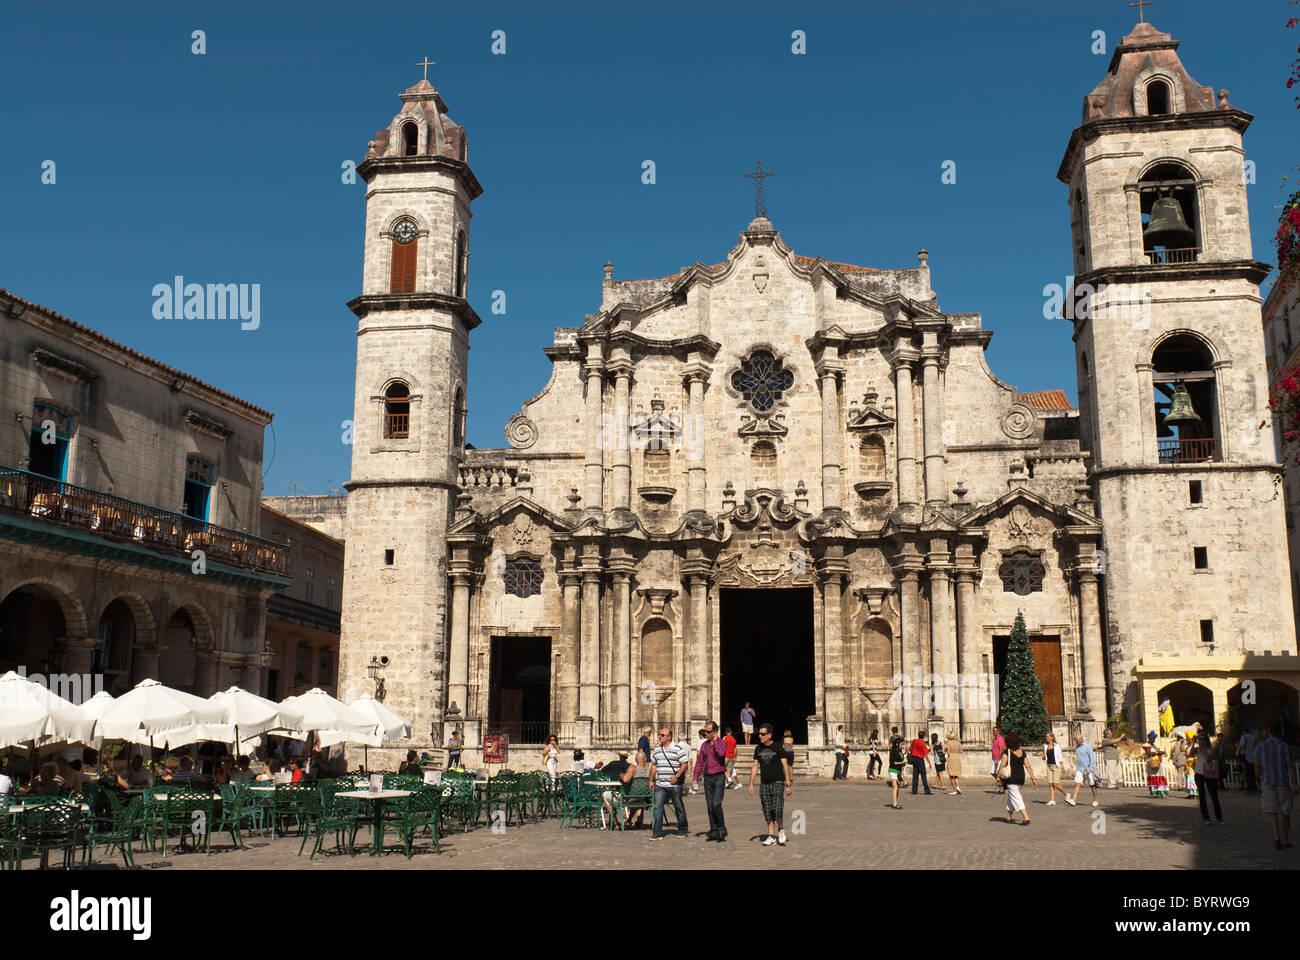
(93, 709)
(391, 727)
(152, 713)
(247, 716)
(30, 713)
(332, 720)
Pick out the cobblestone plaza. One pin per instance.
(847, 826)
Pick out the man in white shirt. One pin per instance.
(841, 755)
(6, 785)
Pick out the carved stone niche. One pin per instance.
(656, 598)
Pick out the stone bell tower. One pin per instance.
(408, 431)
(1170, 360)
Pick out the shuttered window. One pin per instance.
(403, 278)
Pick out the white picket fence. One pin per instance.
(1133, 773)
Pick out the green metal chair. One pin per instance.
(638, 795)
(234, 803)
(114, 830)
(10, 858)
(54, 825)
(333, 813)
(459, 801)
(180, 809)
(422, 811)
(290, 802)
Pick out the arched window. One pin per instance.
(762, 459)
(397, 412)
(1171, 231)
(871, 458)
(458, 287)
(198, 487)
(1158, 98)
(1186, 401)
(405, 247)
(458, 419)
(410, 138)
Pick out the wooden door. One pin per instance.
(1047, 664)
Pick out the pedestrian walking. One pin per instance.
(940, 756)
(747, 721)
(953, 752)
(1157, 783)
(1110, 742)
(551, 756)
(668, 765)
(1246, 752)
(1052, 757)
(1206, 756)
(711, 764)
(787, 744)
(841, 755)
(453, 750)
(918, 754)
(874, 763)
(999, 747)
(895, 767)
(730, 742)
(1011, 771)
(773, 770)
(1085, 770)
(1276, 779)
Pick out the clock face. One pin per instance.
(404, 232)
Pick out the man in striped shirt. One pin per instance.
(1276, 783)
(668, 762)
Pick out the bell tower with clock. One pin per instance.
(1170, 358)
(408, 423)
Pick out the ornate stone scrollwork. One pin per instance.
(521, 433)
(1018, 422)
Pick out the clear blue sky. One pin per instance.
(226, 167)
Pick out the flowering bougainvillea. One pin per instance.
(1284, 401)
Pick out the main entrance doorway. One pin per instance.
(1046, 652)
(519, 695)
(767, 658)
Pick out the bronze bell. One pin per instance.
(1163, 429)
(1167, 228)
(1181, 413)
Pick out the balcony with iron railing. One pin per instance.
(42, 498)
(1181, 255)
(397, 426)
(1200, 450)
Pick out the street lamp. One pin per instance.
(375, 670)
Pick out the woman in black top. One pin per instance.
(1013, 763)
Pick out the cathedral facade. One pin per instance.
(795, 482)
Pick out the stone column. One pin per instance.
(697, 661)
(1090, 640)
(907, 495)
(833, 705)
(205, 673)
(589, 668)
(594, 467)
(932, 398)
(622, 370)
(144, 662)
(621, 655)
(696, 377)
(942, 655)
(909, 617)
(831, 438)
(570, 588)
(458, 668)
(968, 651)
(78, 654)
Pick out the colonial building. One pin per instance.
(793, 481)
(302, 620)
(129, 512)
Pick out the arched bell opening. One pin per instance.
(1186, 401)
(1171, 231)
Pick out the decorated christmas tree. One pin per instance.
(1022, 695)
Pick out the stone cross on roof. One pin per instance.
(758, 176)
(1140, 4)
(427, 63)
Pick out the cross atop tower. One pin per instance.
(758, 176)
(427, 63)
(1140, 4)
